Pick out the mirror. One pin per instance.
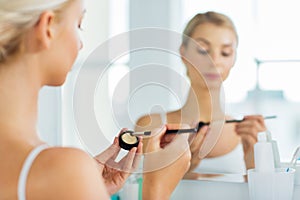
(263, 80)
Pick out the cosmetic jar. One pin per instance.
(127, 141)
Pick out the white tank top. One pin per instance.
(25, 170)
(230, 163)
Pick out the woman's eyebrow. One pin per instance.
(200, 39)
(228, 45)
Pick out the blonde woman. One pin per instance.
(39, 42)
(208, 51)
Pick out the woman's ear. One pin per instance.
(44, 29)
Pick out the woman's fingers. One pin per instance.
(110, 153)
(131, 161)
(116, 143)
(127, 161)
(138, 154)
(166, 156)
(198, 138)
(257, 120)
(251, 126)
(153, 142)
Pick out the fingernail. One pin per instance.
(133, 149)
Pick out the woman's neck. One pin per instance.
(208, 102)
(18, 103)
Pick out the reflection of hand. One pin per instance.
(248, 130)
(116, 173)
(165, 163)
(196, 142)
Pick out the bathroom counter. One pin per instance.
(216, 190)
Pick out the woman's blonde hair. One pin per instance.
(17, 17)
(207, 17)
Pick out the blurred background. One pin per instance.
(265, 79)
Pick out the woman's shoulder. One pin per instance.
(155, 120)
(70, 172)
(147, 122)
(66, 157)
(58, 152)
(63, 157)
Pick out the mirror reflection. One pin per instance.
(247, 51)
(208, 51)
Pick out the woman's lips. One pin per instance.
(212, 76)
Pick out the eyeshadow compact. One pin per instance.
(127, 140)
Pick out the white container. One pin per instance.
(297, 175)
(265, 182)
(277, 185)
(263, 154)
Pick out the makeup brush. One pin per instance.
(196, 129)
(200, 124)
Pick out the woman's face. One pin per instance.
(67, 43)
(210, 54)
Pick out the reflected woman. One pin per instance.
(208, 51)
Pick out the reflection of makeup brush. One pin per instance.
(196, 129)
(189, 130)
(240, 120)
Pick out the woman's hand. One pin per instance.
(248, 130)
(115, 173)
(166, 161)
(196, 141)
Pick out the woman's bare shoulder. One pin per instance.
(65, 173)
(152, 121)
(148, 122)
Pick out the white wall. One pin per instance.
(49, 115)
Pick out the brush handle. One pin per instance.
(200, 124)
(178, 131)
(191, 130)
(240, 120)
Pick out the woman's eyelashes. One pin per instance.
(202, 51)
(226, 54)
(205, 52)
